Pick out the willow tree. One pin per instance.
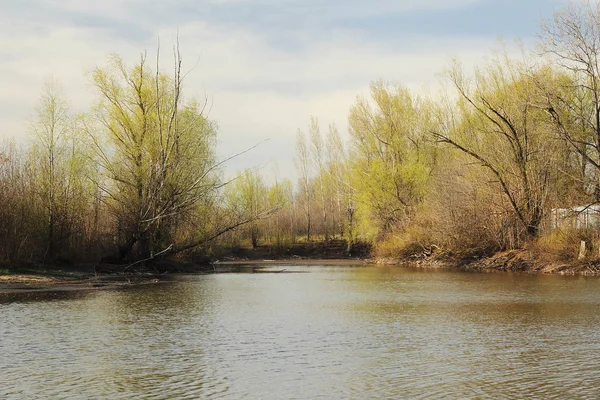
(391, 157)
(501, 125)
(156, 149)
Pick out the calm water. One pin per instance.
(329, 333)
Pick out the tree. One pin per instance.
(317, 150)
(302, 161)
(391, 157)
(572, 39)
(248, 196)
(281, 197)
(18, 212)
(53, 129)
(500, 126)
(157, 152)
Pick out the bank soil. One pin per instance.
(16, 280)
(105, 276)
(524, 261)
(111, 276)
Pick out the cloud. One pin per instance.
(259, 92)
(265, 65)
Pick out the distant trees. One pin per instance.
(53, 130)
(45, 188)
(249, 195)
(59, 167)
(317, 150)
(324, 194)
(282, 223)
(18, 213)
(134, 178)
(472, 171)
(302, 162)
(340, 190)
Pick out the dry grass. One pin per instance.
(564, 245)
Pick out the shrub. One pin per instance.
(564, 244)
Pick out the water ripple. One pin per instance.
(333, 333)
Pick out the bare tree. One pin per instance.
(302, 162)
(51, 128)
(572, 39)
(317, 150)
(500, 127)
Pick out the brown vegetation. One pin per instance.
(462, 176)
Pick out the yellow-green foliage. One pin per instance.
(391, 161)
(473, 171)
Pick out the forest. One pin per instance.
(468, 172)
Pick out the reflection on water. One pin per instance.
(330, 333)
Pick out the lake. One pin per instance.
(318, 332)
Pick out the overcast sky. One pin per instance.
(265, 65)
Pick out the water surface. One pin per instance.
(332, 332)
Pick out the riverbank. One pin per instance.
(522, 261)
(48, 280)
(108, 276)
(92, 276)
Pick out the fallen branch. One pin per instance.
(153, 256)
(225, 230)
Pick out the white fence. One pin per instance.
(576, 218)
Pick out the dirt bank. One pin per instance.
(15, 280)
(106, 276)
(524, 261)
(30, 283)
(113, 277)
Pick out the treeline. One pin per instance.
(318, 209)
(472, 171)
(134, 177)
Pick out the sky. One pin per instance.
(265, 66)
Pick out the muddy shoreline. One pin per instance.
(48, 280)
(54, 281)
(21, 283)
(517, 261)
